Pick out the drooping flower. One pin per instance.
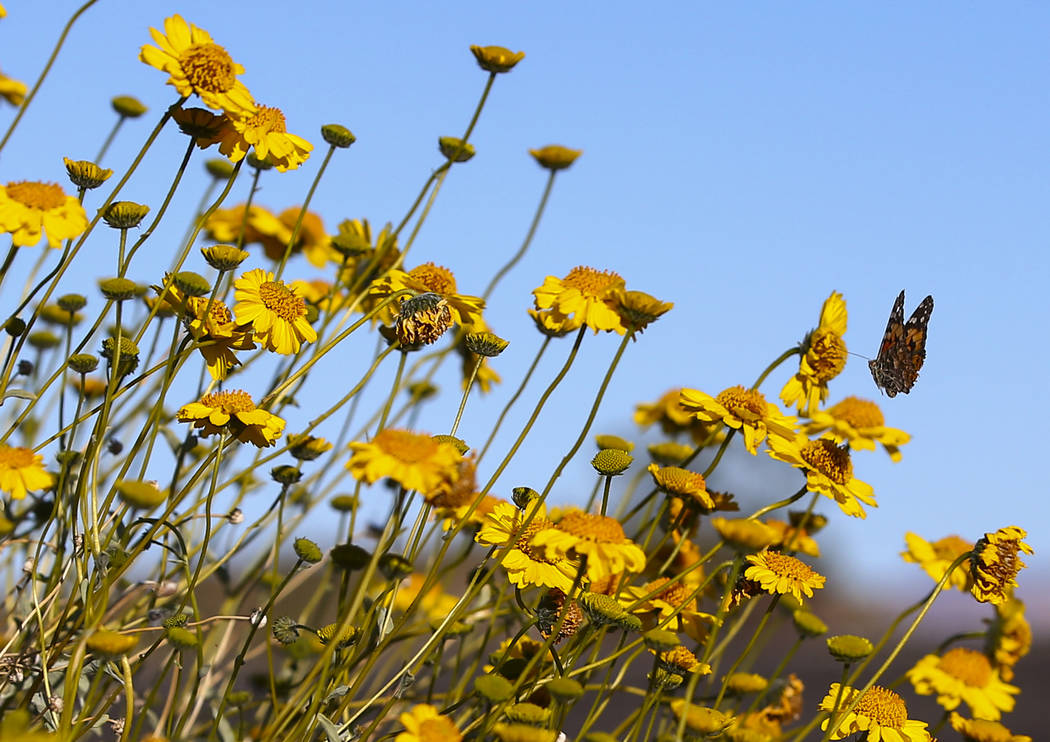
(196, 64)
(790, 538)
(880, 716)
(828, 470)
(30, 210)
(22, 471)
(964, 675)
(232, 410)
(936, 557)
(996, 562)
(276, 313)
(427, 278)
(264, 129)
(823, 358)
(983, 730)
(860, 423)
(12, 90)
(741, 409)
(689, 486)
(424, 723)
(217, 335)
(416, 461)
(675, 605)
(1009, 637)
(527, 563)
(597, 538)
(780, 574)
(584, 297)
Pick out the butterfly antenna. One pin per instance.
(858, 355)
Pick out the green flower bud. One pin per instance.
(219, 168)
(849, 648)
(493, 688)
(128, 106)
(807, 624)
(485, 344)
(224, 257)
(307, 550)
(119, 288)
(124, 214)
(43, 340)
(83, 363)
(111, 643)
(350, 556)
(285, 630)
(191, 284)
(337, 136)
(613, 441)
(496, 59)
(142, 495)
(555, 157)
(72, 302)
(344, 503)
(286, 474)
(455, 149)
(129, 355)
(611, 462)
(182, 638)
(14, 327)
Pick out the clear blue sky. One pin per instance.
(741, 160)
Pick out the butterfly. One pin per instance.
(896, 366)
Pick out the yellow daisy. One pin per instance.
(22, 471)
(935, 558)
(584, 297)
(597, 538)
(263, 128)
(275, 312)
(741, 409)
(684, 484)
(967, 675)
(880, 716)
(232, 410)
(217, 335)
(425, 279)
(196, 64)
(435, 603)
(823, 358)
(996, 562)
(424, 723)
(859, 422)
(828, 469)
(12, 90)
(779, 574)
(260, 227)
(675, 605)
(673, 419)
(416, 461)
(313, 241)
(30, 210)
(790, 538)
(1009, 637)
(982, 730)
(527, 563)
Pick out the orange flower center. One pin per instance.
(600, 528)
(218, 313)
(783, 565)
(827, 354)
(15, 457)
(208, 67)
(436, 278)
(858, 413)
(230, 401)
(950, 547)
(967, 665)
(737, 399)
(280, 300)
(679, 658)
(884, 707)
(35, 195)
(828, 459)
(592, 283)
(524, 543)
(268, 119)
(406, 446)
(675, 593)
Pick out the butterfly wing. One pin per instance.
(896, 366)
(882, 368)
(914, 344)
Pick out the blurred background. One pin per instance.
(740, 160)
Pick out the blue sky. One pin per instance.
(740, 160)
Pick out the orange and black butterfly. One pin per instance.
(896, 366)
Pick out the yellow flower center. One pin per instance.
(436, 278)
(524, 543)
(280, 300)
(737, 399)
(783, 565)
(680, 657)
(218, 313)
(827, 354)
(590, 282)
(406, 446)
(680, 481)
(858, 413)
(434, 730)
(675, 593)
(884, 707)
(230, 401)
(35, 195)
(600, 528)
(268, 119)
(208, 67)
(967, 665)
(15, 457)
(828, 459)
(950, 547)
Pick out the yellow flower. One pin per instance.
(1009, 637)
(823, 358)
(423, 723)
(597, 538)
(779, 574)
(276, 313)
(790, 538)
(859, 422)
(416, 461)
(21, 470)
(455, 514)
(527, 563)
(963, 674)
(675, 606)
(196, 64)
(496, 59)
(934, 558)
(982, 730)
(741, 409)
(683, 483)
(435, 603)
(30, 210)
(880, 716)
(828, 469)
(217, 335)
(261, 226)
(555, 157)
(425, 279)
(12, 90)
(995, 564)
(584, 297)
(263, 128)
(232, 410)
